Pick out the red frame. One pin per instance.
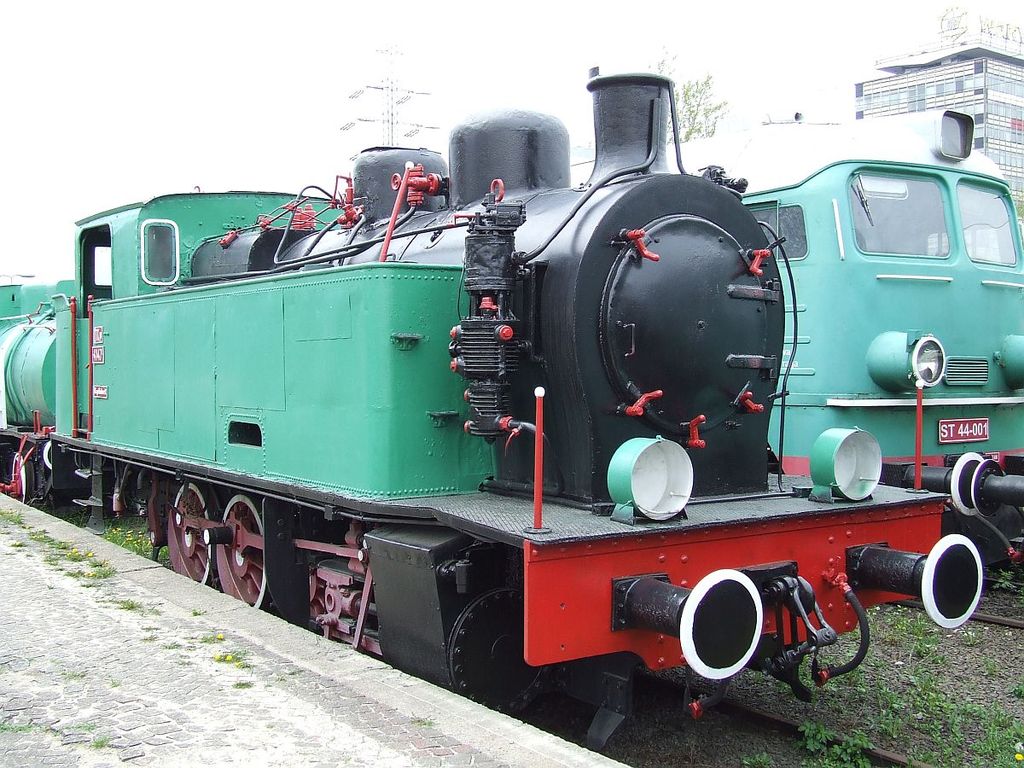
(568, 586)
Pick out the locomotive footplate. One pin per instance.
(506, 518)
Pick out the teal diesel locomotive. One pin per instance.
(906, 256)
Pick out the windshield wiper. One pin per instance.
(858, 187)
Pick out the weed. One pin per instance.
(18, 544)
(102, 570)
(172, 646)
(242, 684)
(12, 728)
(115, 683)
(149, 638)
(85, 727)
(11, 516)
(760, 760)
(234, 657)
(130, 605)
(73, 675)
(423, 722)
(215, 638)
(833, 752)
(197, 612)
(1018, 691)
(100, 742)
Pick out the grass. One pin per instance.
(242, 684)
(61, 553)
(198, 612)
(759, 760)
(12, 728)
(919, 709)
(18, 544)
(99, 742)
(10, 516)
(423, 722)
(130, 605)
(73, 675)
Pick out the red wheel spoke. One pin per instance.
(240, 563)
(188, 553)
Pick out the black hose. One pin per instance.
(702, 704)
(792, 353)
(824, 674)
(344, 250)
(605, 180)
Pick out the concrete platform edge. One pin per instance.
(503, 737)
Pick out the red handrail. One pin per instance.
(91, 342)
(73, 306)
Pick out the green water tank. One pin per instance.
(28, 352)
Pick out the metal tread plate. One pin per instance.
(506, 518)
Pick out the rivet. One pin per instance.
(661, 661)
(831, 606)
(683, 583)
(684, 558)
(661, 558)
(849, 534)
(831, 539)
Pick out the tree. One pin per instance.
(699, 110)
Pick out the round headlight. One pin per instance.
(928, 361)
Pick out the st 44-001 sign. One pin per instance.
(963, 430)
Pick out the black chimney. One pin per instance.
(631, 114)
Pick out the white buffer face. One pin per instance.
(721, 624)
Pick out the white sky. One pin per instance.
(107, 103)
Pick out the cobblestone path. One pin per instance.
(99, 671)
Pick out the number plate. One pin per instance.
(963, 430)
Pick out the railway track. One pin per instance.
(877, 755)
(787, 726)
(979, 616)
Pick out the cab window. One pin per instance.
(898, 215)
(988, 235)
(96, 266)
(159, 252)
(788, 222)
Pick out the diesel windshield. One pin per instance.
(898, 215)
(986, 221)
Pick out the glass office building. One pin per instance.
(982, 77)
